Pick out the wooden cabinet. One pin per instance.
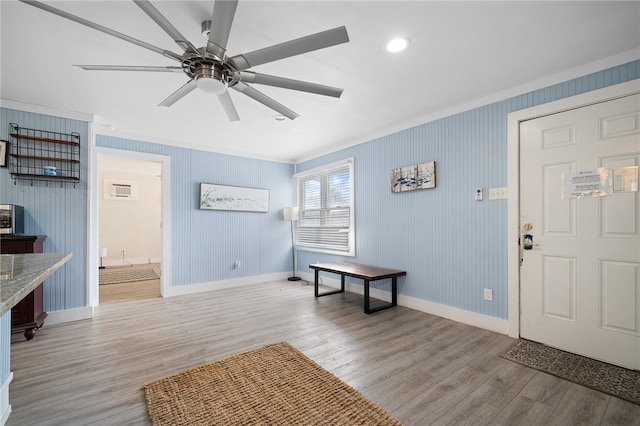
(28, 315)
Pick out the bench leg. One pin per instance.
(366, 297)
(326, 293)
(394, 297)
(394, 291)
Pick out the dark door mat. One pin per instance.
(607, 378)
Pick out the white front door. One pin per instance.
(580, 283)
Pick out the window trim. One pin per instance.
(324, 171)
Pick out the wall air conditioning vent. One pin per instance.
(120, 190)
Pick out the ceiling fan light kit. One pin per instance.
(210, 78)
(209, 68)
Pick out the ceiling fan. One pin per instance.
(209, 68)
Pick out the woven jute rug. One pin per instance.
(273, 385)
(118, 276)
(610, 379)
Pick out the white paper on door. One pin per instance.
(587, 183)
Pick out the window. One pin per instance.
(325, 203)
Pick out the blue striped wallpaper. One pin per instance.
(59, 212)
(205, 243)
(450, 245)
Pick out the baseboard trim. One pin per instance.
(130, 262)
(222, 284)
(497, 325)
(5, 407)
(69, 315)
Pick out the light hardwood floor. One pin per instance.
(422, 368)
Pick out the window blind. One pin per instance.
(325, 204)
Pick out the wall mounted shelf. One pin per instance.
(32, 151)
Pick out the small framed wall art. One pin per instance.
(238, 198)
(4, 152)
(410, 178)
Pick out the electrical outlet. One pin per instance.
(478, 194)
(236, 264)
(488, 294)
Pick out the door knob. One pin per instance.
(526, 240)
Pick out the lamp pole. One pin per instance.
(293, 257)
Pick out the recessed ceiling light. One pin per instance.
(397, 44)
(279, 117)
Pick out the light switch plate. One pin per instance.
(498, 193)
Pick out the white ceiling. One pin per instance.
(461, 54)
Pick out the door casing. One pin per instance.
(513, 179)
(165, 279)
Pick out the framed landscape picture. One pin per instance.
(237, 198)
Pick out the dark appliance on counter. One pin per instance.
(11, 219)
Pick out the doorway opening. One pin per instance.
(129, 208)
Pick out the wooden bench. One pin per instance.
(364, 272)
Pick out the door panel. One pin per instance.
(580, 283)
(559, 287)
(620, 296)
(614, 223)
(559, 219)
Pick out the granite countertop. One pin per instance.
(21, 273)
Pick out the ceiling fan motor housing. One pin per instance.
(211, 74)
(210, 77)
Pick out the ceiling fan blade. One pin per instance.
(179, 94)
(164, 23)
(287, 83)
(129, 68)
(265, 100)
(229, 108)
(104, 29)
(221, 21)
(291, 48)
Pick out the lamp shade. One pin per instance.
(103, 252)
(290, 213)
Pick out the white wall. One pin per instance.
(130, 225)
